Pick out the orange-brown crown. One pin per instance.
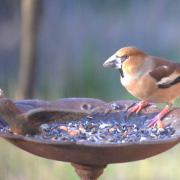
(135, 59)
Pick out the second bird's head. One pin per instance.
(127, 59)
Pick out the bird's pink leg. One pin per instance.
(157, 119)
(138, 107)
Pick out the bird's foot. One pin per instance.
(156, 121)
(138, 107)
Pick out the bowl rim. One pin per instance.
(28, 138)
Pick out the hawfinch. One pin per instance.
(149, 78)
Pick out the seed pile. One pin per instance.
(89, 130)
(100, 131)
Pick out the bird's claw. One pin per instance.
(136, 108)
(156, 122)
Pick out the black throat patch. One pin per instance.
(121, 72)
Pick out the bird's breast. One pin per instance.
(141, 87)
(127, 80)
(130, 84)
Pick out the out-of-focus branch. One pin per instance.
(28, 51)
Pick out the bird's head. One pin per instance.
(127, 59)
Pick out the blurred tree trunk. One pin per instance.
(28, 50)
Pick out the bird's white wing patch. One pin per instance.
(168, 80)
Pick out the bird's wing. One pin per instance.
(166, 75)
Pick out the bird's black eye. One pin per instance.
(125, 57)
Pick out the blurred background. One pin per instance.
(55, 49)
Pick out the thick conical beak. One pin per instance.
(113, 62)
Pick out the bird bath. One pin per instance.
(88, 158)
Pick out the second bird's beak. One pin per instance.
(113, 62)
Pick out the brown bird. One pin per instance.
(149, 78)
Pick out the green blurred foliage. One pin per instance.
(74, 39)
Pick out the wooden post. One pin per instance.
(28, 51)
